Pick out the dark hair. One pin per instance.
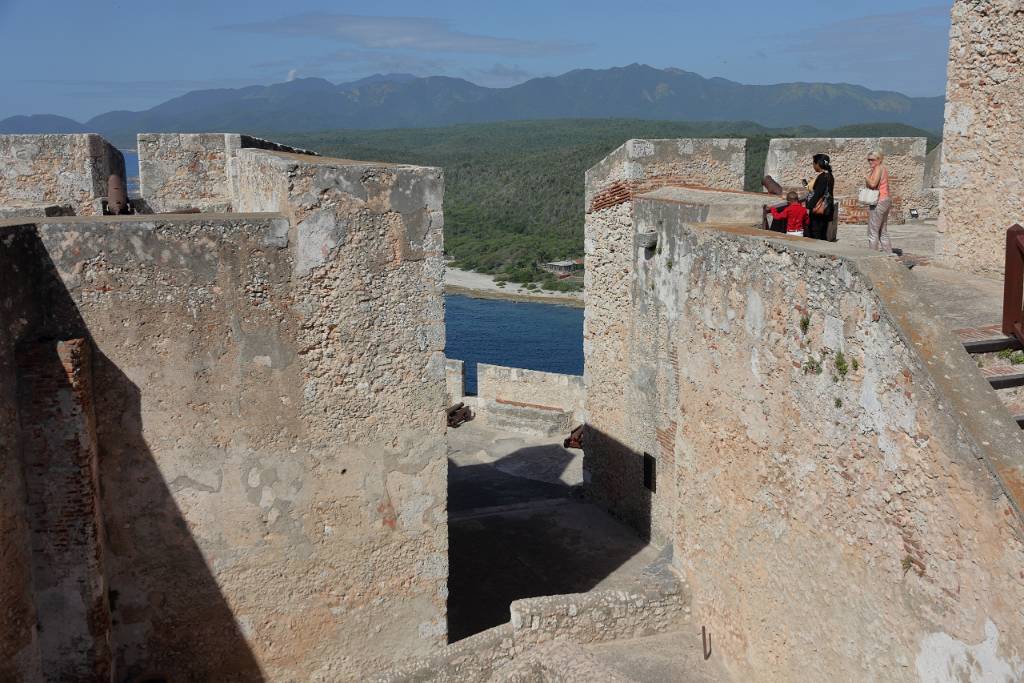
(823, 161)
(792, 196)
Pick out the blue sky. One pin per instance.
(79, 58)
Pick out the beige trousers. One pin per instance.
(878, 226)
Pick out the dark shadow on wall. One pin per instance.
(620, 480)
(169, 619)
(515, 531)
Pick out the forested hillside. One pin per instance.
(514, 191)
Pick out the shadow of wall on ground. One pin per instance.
(512, 537)
(170, 621)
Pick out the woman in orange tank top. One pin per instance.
(878, 214)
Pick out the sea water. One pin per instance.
(535, 336)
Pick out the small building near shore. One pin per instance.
(564, 267)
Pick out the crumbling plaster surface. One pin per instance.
(271, 426)
(857, 523)
(64, 170)
(982, 175)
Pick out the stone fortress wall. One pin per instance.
(262, 444)
(46, 175)
(532, 388)
(837, 482)
(753, 399)
(982, 175)
(611, 185)
(789, 162)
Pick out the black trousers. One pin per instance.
(818, 228)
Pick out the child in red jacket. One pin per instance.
(794, 214)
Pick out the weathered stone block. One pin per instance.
(194, 170)
(982, 176)
(70, 171)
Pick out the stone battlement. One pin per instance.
(267, 393)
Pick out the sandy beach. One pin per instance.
(482, 286)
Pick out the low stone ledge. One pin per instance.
(656, 606)
(532, 388)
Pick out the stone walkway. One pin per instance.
(960, 299)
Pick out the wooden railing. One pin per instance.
(1013, 285)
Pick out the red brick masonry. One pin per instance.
(59, 454)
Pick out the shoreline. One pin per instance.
(482, 286)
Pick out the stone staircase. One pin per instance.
(995, 354)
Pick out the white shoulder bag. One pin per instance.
(867, 197)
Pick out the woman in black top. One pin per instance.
(821, 187)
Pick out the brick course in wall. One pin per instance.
(59, 451)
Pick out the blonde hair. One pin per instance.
(877, 155)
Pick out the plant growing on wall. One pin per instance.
(812, 365)
(841, 366)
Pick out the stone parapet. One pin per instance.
(272, 420)
(578, 618)
(67, 171)
(642, 165)
(194, 170)
(534, 388)
(767, 398)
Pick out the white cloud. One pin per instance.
(426, 34)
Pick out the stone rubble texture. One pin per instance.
(892, 473)
(982, 175)
(37, 171)
(271, 423)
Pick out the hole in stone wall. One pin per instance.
(650, 473)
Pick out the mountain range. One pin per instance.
(404, 101)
